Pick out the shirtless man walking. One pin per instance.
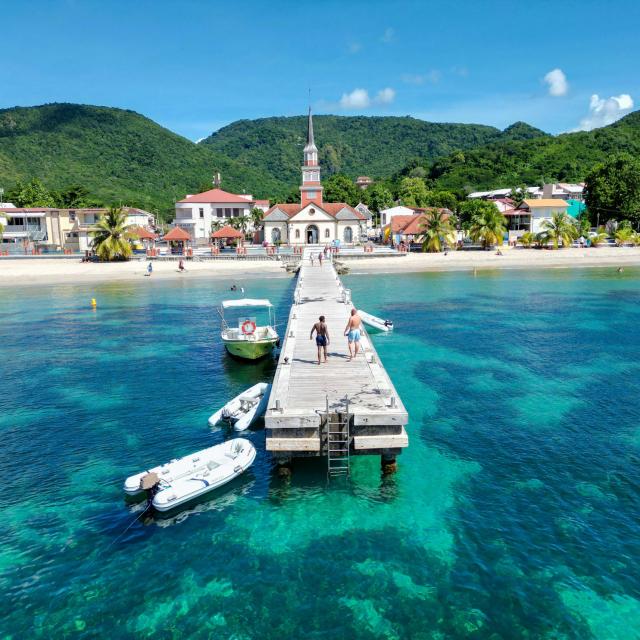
(352, 331)
(322, 337)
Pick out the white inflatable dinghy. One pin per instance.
(245, 408)
(189, 477)
(376, 323)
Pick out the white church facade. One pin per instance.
(313, 221)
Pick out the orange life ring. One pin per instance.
(248, 327)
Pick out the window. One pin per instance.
(227, 213)
(237, 212)
(275, 235)
(72, 216)
(201, 210)
(17, 221)
(219, 213)
(348, 234)
(297, 234)
(311, 195)
(327, 233)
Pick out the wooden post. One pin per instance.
(388, 464)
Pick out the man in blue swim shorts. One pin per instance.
(322, 337)
(352, 331)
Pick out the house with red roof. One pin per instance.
(199, 214)
(313, 221)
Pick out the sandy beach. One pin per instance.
(512, 258)
(43, 271)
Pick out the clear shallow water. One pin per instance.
(515, 512)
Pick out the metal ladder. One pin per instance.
(338, 441)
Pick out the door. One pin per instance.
(313, 234)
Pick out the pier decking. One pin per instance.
(297, 419)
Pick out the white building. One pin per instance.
(387, 215)
(313, 221)
(531, 214)
(560, 191)
(366, 212)
(198, 213)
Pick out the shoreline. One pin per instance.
(45, 271)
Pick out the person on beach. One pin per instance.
(322, 337)
(149, 269)
(352, 331)
(181, 266)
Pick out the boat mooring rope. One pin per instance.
(138, 515)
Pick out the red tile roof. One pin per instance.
(411, 225)
(227, 232)
(142, 233)
(213, 196)
(263, 202)
(332, 208)
(177, 233)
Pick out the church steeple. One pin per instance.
(311, 189)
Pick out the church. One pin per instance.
(313, 221)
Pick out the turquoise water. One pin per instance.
(515, 512)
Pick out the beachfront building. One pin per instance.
(555, 191)
(366, 212)
(201, 213)
(313, 221)
(55, 229)
(408, 228)
(531, 214)
(387, 215)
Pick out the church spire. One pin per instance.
(311, 187)
(310, 141)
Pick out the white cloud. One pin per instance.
(354, 47)
(431, 77)
(360, 99)
(604, 111)
(357, 99)
(557, 81)
(388, 35)
(385, 96)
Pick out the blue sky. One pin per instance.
(195, 65)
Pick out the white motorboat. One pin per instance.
(249, 339)
(189, 477)
(375, 322)
(244, 408)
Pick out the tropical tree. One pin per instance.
(444, 199)
(527, 239)
(635, 239)
(215, 225)
(31, 194)
(471, 208)
(111, 235)
(488, 227)
(256, 216)
(598, 237)
(340, 188)
(436, 230)
(518, 195)
(413, 192)
(241, 223)
(378, 197)
(561, 228)
(623, 235)
(615, 186)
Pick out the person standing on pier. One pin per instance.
(352, 331)
(322, 337)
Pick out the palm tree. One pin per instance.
(436, 230)
(215, 225)
(527, 239)
(623, 235)
(111, 236)
(561, 227)
(598, 237)
(488, 227)
(256, 217)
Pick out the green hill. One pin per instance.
(509, 162)
(118, 155)
(373, 146)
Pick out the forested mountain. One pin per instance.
(373, 146)
(509, 162)
(119, 156)
(122, 157)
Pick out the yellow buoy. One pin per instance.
(93, 302)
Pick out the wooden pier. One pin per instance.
(338, 409)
